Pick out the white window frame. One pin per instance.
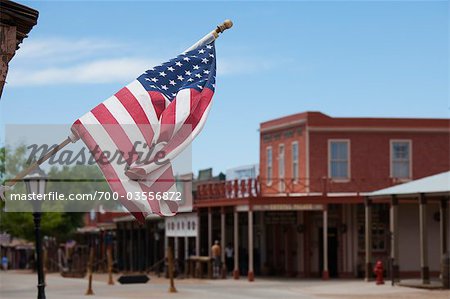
(391, 158)
(349, 175)
(295, 179)
(269, 178)
(281, 176)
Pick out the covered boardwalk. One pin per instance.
(434, 189)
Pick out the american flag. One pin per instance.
(163, 109)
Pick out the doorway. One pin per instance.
(332, 251)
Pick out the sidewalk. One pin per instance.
(22, 285)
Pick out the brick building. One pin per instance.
(315, 171)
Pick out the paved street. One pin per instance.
(22, 285)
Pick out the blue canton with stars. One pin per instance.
(194, 69)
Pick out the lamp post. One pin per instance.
(35, 183)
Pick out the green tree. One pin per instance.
(68, 179)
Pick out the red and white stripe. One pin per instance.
(181, 122)
(135, 115)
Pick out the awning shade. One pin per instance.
(438, 184)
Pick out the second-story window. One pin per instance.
(401, 159)
(269, 165)
(295, 161)
(281, 167)
(339, 160)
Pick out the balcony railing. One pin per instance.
(289, 187)
(228, 189)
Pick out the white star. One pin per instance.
(198, 75)
(170, 69)
(174, 94)
(153, 86)
(205, 60)
(186, 59)
(206, 72)
(190, 79)
(209, 46)
(172, 82)
(199, 86)
(211, 55)
(164, 87)
(188, 73)
(147, 79)
(196, 67)
(178, 63)
(162, 74)
(214, 85)
(201, 51)
(154, 80)
(180, 78)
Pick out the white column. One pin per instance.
(424, 271)
(394, 238)
(251, 274)
(325, 274)
(236, 244)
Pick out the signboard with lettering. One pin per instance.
(182, 225)
(280, 217)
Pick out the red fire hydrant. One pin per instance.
(378, 270)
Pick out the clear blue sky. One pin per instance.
(379, 59)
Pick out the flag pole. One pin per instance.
(212, 36)
(23, 173)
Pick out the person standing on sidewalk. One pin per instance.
(229, 253)
(5, 263)
(215, 252)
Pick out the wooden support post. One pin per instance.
(90, 265)
(443, 213)
(251, 274)
(325, 273)
(222, 242)
(368, 238)
(170, 262)
(424, 270)
(197, 235)
(132, 246)
(210, 241)
(176, 253)
(394, 239)
(445, 262)
(110, 264)
(8, 44)
(45, 258)
(236, 245)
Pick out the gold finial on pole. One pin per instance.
(227, 24)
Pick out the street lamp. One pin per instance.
(35, 183)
